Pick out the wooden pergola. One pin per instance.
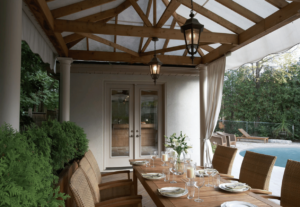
(87, 27)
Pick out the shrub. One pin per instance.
(26, 177)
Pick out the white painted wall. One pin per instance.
(182, 106)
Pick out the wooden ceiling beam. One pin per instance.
(168, 40)
(295, 0)
(278, 3)
(115, 37)
(214, 17)
(147, 15)
(109, 43)
(124, 57)
(138, 31)
(273, 22)
(77, 7)
(146, 44)
(43, 15)
(200, 52)
(140, 13)
(170, 49)
(185, 53)
(170, 9)
(207, 48)
(241, 10)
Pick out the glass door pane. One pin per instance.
(149, 121)
(120, 123)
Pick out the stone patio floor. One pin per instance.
(277, 173)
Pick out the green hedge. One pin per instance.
(30, 162)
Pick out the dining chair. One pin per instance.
(107, 190)
(223, 159)
(218, 139)
(256, 171)
(93, 162)
(290, 189)
(84, 196)
(231, 138)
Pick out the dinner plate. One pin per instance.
(138, 163)
(151, 176)
(237, 204)
(185, 191)
(223, 187)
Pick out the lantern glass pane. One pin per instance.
(188, 35)
(154, 69)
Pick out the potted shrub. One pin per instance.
(282, 129)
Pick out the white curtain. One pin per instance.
(214, 89)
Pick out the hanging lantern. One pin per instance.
(155, 63)
(192, 30)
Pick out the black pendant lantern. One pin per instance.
(155, 63)
(192, 30)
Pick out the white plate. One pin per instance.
(173, 188)
(237, 204)
(138, 163)
(223, 187)
(205, 174)
(154, 178)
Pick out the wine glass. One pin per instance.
(164, 157)
(153, 157)
(208, 169)
(198, 184)
(172, 169)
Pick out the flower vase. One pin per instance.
(179, 164)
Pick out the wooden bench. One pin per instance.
(247, 136)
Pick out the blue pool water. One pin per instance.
(283, 154)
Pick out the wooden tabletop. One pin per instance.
(212, 197)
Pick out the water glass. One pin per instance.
(208, 169)
(216, 180)
(190, 187)
(166, 172)
(199, 182)
(153, 157)
(147, 163)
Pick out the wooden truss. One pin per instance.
(87, 27)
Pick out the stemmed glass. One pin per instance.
(208, 169)
(164, 157)
(172, 169)
(198, 184)
(153, 157)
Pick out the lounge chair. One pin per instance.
(218, 139)
(256, 171)
(223, 159)
(231, 138)
(247, 136)
(290, 185)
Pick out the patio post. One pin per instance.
(65, 70)
(10, 61)
(202, 102)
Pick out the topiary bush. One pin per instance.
(26, 177)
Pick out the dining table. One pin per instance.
(212, 197)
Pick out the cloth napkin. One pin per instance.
(237, 187)
(176, 191)
(157, 175)
(138, 163)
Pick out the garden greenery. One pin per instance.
(30, 162)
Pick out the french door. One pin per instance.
(133, 122)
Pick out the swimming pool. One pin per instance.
(282, 153)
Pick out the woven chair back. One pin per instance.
(223, 159)
(290, 190)
(244, 133)
(91, 178)
(93, 162)
(256, 170)
(81, 189)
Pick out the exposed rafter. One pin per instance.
(214, 17)
(147, 15)
(115, 37)
(278, 3)
(171, 8)
(200, 52)
(170, 49)
(278, 19)
(140, 13)
(124, 57)
(185, 53)
(109, 43)
(43, 15)
(77, 7)
(146, 44)
(167, 40)
(241, 10)
(138, 31)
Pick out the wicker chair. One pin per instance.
(223, 159)
(219, 139)
(107, 190)
(84, 196)
(290, 189)
(256, 171)
(231, 138)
